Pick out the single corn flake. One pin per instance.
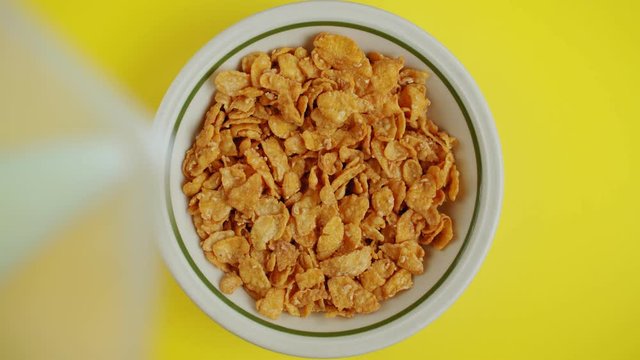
(395, 151)
(253, 275)
(230, 282)
(286, 255)
(309, 278)
(411, 171)
(281, 128)
(331, 238)
(212, 205)
(231, 249)
(342, 290)
(400, 281)
(420, 196)
(277, 158)
(288, 65)
(353, 208)
(245, 196)
(405, 228)
(215, 237)
(290, 184)
(295, 144)
(351, 264)
(365, 302)
(272, 304)
(193, 187)
(454, 183)
(383, 201)
(265, 229)
(312, 140)
(413, 97)
(338, 51)
(231, 82)
(346, 175)
(445, 235)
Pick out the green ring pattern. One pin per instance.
(240, 310)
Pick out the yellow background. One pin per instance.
(562, 279)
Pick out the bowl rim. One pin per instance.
(178, 235)
(481, 127)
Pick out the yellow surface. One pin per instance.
(562, 279)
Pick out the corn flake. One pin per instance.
(231, 82)
(401, 280)
(253, 275)
(351, 264)
(277, 158)
(272, 304)
(310, 278)
(331, 238)
(230, 282)
(383, 201)
(231, 249)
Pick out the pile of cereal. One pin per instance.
(316, 179)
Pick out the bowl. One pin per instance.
(457, 107)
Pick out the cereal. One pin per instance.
(365, 302)
(261, 62)
(253, 275)
(382, 201)
(377, 274)
(245, 196)
(335, 107)
(411, 171)
(401, 280)
(286, 255)
(230, 282)
(351, 264)
(316, 179)
(230, 82)
(230, 250)
(288, 65)
(454, 183)
(280, 278)
(259, 164)
(348, 174)
(277, 158)
(331, 238)
(290, 184)
(395, 151)
(305, 212)
(338, 51)
(215, 237)
(272, 303)
(353, 208)
(346, 293)
(312, 140)
(342, 290)
(310, 278)
(281, 128)
(420, 195)
(193, 187)
(407, 255)
(264, 230)
(212, 205)
(445, 235)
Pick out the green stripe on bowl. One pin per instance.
(259, 320)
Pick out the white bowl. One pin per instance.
(457, 106)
